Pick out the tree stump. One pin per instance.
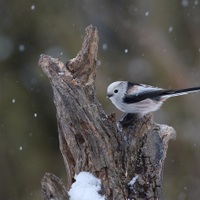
(91, 141)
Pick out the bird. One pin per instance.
(140, 98)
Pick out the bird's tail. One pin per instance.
(174, 93)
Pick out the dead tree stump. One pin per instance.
(90, 140)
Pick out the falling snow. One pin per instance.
(146, 14)
(13, 100)
(104, 46)
(20, 148)
(126, 50)
(21, 47)
(35, 114)
(185, 188)
(170, 29)
(98, 62)
(33, 7)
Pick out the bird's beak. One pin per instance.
(109, 95)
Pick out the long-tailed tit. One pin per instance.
(139, 98)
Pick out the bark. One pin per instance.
(91, 141)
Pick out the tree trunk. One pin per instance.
(91, 141)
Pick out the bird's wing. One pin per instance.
(148, 93)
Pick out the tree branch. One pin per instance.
(53, 188)
(90, 140)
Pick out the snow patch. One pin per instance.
(86, 187)
(132, 182)
(61, 73)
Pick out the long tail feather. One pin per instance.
(174, 93)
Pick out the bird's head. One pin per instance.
(116, 90)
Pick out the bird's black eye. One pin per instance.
(116, 91)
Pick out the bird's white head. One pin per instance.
(116, 91)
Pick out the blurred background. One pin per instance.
(153, 42)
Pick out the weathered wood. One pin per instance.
(53, 188)
(90, 140)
